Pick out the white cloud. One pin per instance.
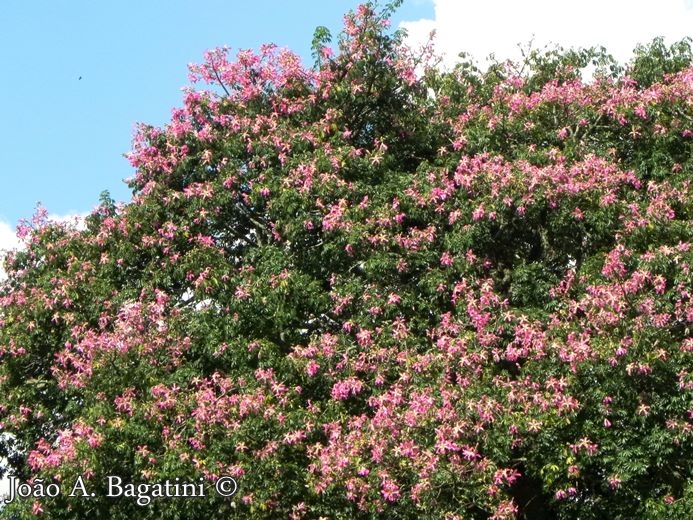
(76, 219)
(8, 238)
(498, 26)
(8, 241)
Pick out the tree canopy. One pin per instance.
(371, 288)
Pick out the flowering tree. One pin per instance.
(366, 292)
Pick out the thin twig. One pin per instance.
(216, 73)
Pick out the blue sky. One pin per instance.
(62, 138)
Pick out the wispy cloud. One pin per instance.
(498, 26)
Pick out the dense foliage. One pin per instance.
(372, 289)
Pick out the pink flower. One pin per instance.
(446, 259)
(393, 299)
(659, 284)
(312, 368)
(470, 453)
(389, 490)
(478, 213)
(242, 293)
(363, 337)
(614, 481)
(505, 476)
(342, 389)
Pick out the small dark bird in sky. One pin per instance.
(79, 78)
